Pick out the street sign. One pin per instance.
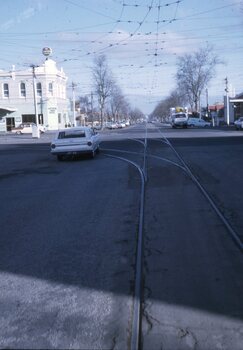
(47, 51)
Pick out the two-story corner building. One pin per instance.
(17, 97)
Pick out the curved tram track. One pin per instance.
(136, 331)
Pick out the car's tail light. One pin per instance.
(53, 146)
(89, 143)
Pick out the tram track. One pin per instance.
(216, 209)
(135, 342)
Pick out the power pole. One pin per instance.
(92, 116)
(227, 100)
(73, 98)
(37, 134)
(207, 99)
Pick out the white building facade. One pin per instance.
(17, 98)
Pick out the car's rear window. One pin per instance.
(71, 134)
(180, 115)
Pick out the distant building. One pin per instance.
(236, 104)
(17, 97)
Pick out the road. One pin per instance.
(69, 234)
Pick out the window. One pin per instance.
(5, 90)
(71, 134)
(59, 118)
(22, 90)
(50, 88)
(39, 89)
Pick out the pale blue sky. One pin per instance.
(141, 39)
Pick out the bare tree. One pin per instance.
(103, 83)
(118, 106)
(136, 115)
(194, 71)
(162, 110)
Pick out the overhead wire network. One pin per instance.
(152, 36)
(140, 39)
(124, 41)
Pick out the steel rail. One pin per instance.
(229, 228)
(136, 319)
(147, 155)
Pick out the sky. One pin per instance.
(141, 39)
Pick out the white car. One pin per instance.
(26, 128)
(198, 122)
(239, 123)
(123, 124)
(75, 141)
(112, 125)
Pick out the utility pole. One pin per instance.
(208, 113)
(207, 99)
(227, 100)
(73, 93)
(37, 134)
(92, 116)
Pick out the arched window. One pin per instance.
(22, 90)
(39, 89)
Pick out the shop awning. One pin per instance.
(240, 100)
(6, 110)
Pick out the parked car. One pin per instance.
(198, 122)
(75, 141)
(123, 124)
(26, 128)
(239, 123)
(112, 125)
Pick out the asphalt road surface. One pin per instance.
(69, 233)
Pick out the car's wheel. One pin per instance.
(18, 132)
(60, 157)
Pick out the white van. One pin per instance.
(179, 119)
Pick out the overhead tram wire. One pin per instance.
(73, 30)
(88, 9)
(209, 11)
(156, 56)
(135, 31)
(156, 65)
(104, 49)
(123, 40)
(115, 26)
(155, 73)
(112, 30)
